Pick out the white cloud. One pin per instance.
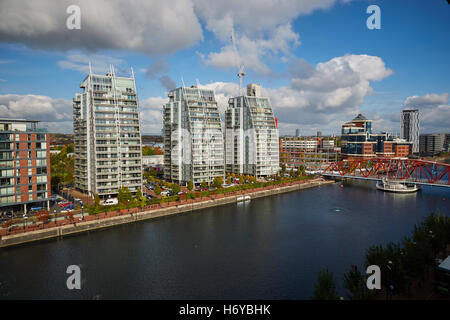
(320, 97)
(434, 112)
(263, 30)
(99, 63)
(426, 100)
(55, 114)
(148, 26)
(253, 52)
(151, 114)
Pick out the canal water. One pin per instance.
(270, 248)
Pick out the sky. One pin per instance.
(317, 60)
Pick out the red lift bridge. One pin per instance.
(408, 170)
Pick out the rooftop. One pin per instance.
(360, 117)
(18, 120)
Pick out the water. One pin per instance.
(270, 248)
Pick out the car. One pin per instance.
(181, 192)
(110, 202)
(69, 206)
(65, 204)
(165, 193)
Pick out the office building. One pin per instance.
(409, 127)
(311, 152)
(24, 166)
(193, 138)
(432, 144)
(107, 135)
(297, 132)
(359, 142)
(251, 132)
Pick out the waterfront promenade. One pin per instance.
(103, 220)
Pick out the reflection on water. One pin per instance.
(268, 248)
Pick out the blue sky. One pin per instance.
(318, 62)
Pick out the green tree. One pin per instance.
(157, 190)
(356, 285)
(138, 195)
(97, 200)
(204, 185)
(283, 168)
(190, 186)
(176, 188)
(229, 180)
(218, 182)
(325, 287)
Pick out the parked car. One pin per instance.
(65, 204)
(165, 193)
(110, 202)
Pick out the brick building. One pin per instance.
(24, 165)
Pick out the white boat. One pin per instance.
(246, 198)
(396, 186)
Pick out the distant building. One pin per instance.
(310, 152)
(358, 141)
(24, 165)
(107, 137)
(319, 133)
(193, 138)
(447, 142)
(251, 135)
(409, 127)
(297, 132)
(153, 161)
(432, 144)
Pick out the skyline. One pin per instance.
(316, 60)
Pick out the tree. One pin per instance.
(325, 287)
(292, 173)
(218, 182)
(355, 283)
(138, 194)
(204, 185)
(283, 168)
(176, 188)
(157, 190)
(97, 200)
(229, 180)
(190, 186)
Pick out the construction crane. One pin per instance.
(241, 72)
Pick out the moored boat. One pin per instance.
(396, 186)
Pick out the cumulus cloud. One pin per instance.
(320, 97)
(167, 82)
(263, 30)
(148, 26)
(253, 52)
(434, 112)
(55, 114)
(157, 68)
(151, 114)
(99, 63)
(428, 100)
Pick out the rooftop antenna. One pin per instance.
(182, 81)
(132, 72)
(90, 68)
(241, 72)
